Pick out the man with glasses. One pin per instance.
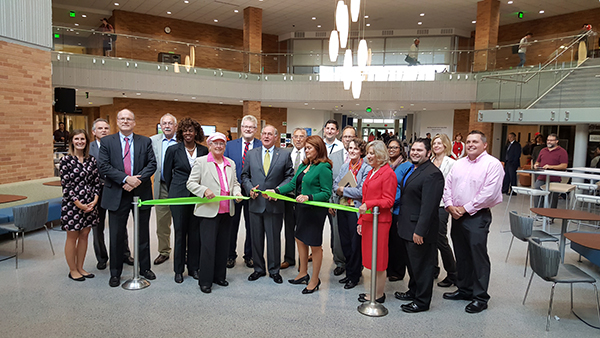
(553, 157)
(297, 156)
(237, 150)
(160, 143)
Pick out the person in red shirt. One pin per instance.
(553, 157)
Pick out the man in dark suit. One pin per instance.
(267, 167)
(418, 221)
(101, 128)
(512, 160)
(126, 161)
(237, 151)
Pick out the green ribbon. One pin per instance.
(273, 194)
(190, 200)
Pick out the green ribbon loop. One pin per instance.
(190, 200)
(273, 194)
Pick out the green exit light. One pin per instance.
(72, 14)
(56, 36)
(520, 15)
(369, 109)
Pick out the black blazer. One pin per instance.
(513, 154)
(110, 164)
(419, 203)
(176, 169)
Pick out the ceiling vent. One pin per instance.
(321, 34)
(447, 31)
(387, 33)
(422, 31)
(298, 34)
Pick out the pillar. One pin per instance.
(253, 108)
(252, 39)
(486, 34)
(486, 127)
(580, 147)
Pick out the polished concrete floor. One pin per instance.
(38, 300)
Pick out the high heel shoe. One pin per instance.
(302, 280)
(308, 291)
(363, 298)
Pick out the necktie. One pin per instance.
(297, 161)
(267, 162)
(245, 151)
(331, 149)
(347, 157)
(127, 158)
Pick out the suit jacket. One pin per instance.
(316, 183)
(337, 158)
(354, 193)
(235, 152)
(419, 203)
(204, 176)
(177, 169)
(379, 191)
(280, 173)
(95, 152)
(513, 154)
(110, 164)
(157, 148)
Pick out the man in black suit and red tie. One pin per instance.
(127, 162)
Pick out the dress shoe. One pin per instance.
(301, 280)
(178, 278)
(404, 295)
(456, 295)
(148, 274)
(307, 291)
(256, 275)
(446, 283)
(350, 285)
(128, 260)
(89, 275)
(249, 263)
(344, 280)
(476, 307)
(160, 259)
(78, 279)
(101, 265)
(310, 257)
(230, 263)
(286, 265)
(276, 278)
(338, 271)
(395, 278)
(113, 282)
(205, 289)
(436, 272)
(222, 283)
(194, 274)
(412, 308)
(363, 298)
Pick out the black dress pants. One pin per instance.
(510, 176)
(214, 235)
(444, 247)
(351, 244)
(469, 235)
(117, 222)
(421, 259)
(99, 242)
(187, 238)
(397, 259)
(290, 227)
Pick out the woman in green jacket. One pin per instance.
(312, 182)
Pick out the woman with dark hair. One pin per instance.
(313, 182)
(458, 147)
(396, 152)
(347, 220)
(179, 161)
(108, 39)
(80, 186)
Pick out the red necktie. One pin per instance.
(245, 151)
(127, 158)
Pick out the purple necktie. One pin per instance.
(127, 158)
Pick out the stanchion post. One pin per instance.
(372, 308)
(136, 283)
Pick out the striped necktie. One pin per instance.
(245, 151)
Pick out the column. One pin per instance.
(486, 127)
(486, 34)
(252, 39)
(253, 108)
(580, 147)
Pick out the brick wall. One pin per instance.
(461, 123)
(26, 113)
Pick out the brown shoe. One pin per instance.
(286, 265)
(160, 259)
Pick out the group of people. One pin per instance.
(429, 187)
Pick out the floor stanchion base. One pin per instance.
(372, 309)
(136, 284)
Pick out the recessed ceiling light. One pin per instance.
(76, 24)
(419, 23)
(116, 4)
(318, 26)
(215, 20)
(474, 21)
(138, 93)
(186, 1)
(175, 99)
(314, 18)
(193, 97)
(236, 11)
(358, 104)
(412, 104)
(422, 14)
(510, 2)
(366, 16)
(83, 16)
(221, 102)
(542, 11)
(306, 103)
(368, 25)
(169, 13)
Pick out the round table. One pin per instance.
(11, 198)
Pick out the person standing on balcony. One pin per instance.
(108, 39)
(413, 55)
(523, 48)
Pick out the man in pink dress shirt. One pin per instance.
(473, 186)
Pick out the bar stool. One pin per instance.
(590, 199)
(589, 187)
(561, 188)
(527, 192)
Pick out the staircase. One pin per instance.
(580, 89)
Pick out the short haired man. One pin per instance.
(297, 156)
(418, 225)
(473, 186)
(413, 55)
(512, 161)
(266, 167)
(553, 157)
(160, 143)
(237, 150)
(126, 161)
(523, 48)
(60, 134)
(330, 133)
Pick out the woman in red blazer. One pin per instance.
(379, 190)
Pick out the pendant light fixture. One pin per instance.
(342, 22)
(362, 54)
(356, 83)
(347, 69)
(334, 46)
(355, 9)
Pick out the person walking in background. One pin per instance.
(512, 161)
(413, 54)
(523, 48)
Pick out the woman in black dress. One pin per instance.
(179, 160)
(80, 185)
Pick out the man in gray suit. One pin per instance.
(160, 143)
(101, 128)
(267, 167)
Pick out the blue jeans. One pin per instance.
(522, 57)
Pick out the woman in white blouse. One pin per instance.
(440, 156)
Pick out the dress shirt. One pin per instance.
(166, 143)
(223, 205)
(264, 152)
(192, 158)
(296, 151)
(474, 185)
(122, 138)
(336, 146)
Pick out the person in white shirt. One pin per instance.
(330, 133)
(413, 55)
(523, 48)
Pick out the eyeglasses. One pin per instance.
(298, 136)
(168, 123)
(394, 147)
(248, 127)
(126, 119)
(348, 137)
